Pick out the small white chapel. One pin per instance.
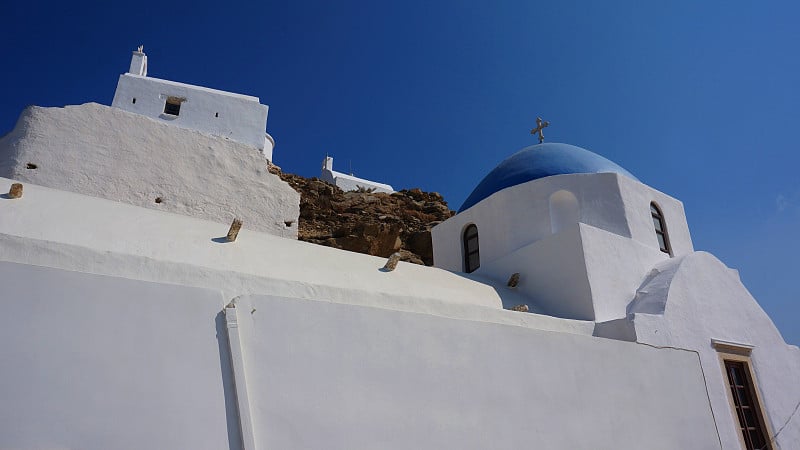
(157, 297)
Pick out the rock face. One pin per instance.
(106, 152)
(374, 223)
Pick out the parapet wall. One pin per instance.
(109, 153)
(157, 365)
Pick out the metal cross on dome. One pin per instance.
(540, 126)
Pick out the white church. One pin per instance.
(135, 320)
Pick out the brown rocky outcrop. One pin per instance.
(374, 223)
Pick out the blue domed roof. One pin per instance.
(539, 161)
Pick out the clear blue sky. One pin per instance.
(700, 100)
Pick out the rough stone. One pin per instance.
(233, 232)
(374, 223)
(16, 190)
(391, 264)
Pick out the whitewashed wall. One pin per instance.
(615, 267)
(102, 362)
(689, 301)
(97, 362)
(106, 152)
(519, 215)
(449, 370)
(231, 116)
(114, 238)
(333, 376)
(552, 275)
(636, 198)
(586, 241)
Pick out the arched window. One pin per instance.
(564, 210)
(472, 259)
(661, 229)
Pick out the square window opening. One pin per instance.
(172, 106)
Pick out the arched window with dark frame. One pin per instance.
(472, 259)
(661, 229)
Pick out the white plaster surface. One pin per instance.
(520, 215)
(110, 153)
(564, 210)
(101, 362)
(127, 241)
(339, 376)
(349, 182)
(581, 243)
(615, 267)
(582, 272)
(686, 302)
(552, 273)
(517, 216)
(637, 198)
(96, 362)
(138, 64)
(237, 117)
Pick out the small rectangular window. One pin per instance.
(172, 106)
(745, 405)
(754, 429)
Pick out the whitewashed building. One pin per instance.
(241, 118)
(350, 182)
(589, 241)
(205, 158)
(133, 324)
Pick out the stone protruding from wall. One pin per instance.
(391, 264)
(233, 232)
(109, 153)
(15, 191)
(514, 280)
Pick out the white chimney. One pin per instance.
(139, 62)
